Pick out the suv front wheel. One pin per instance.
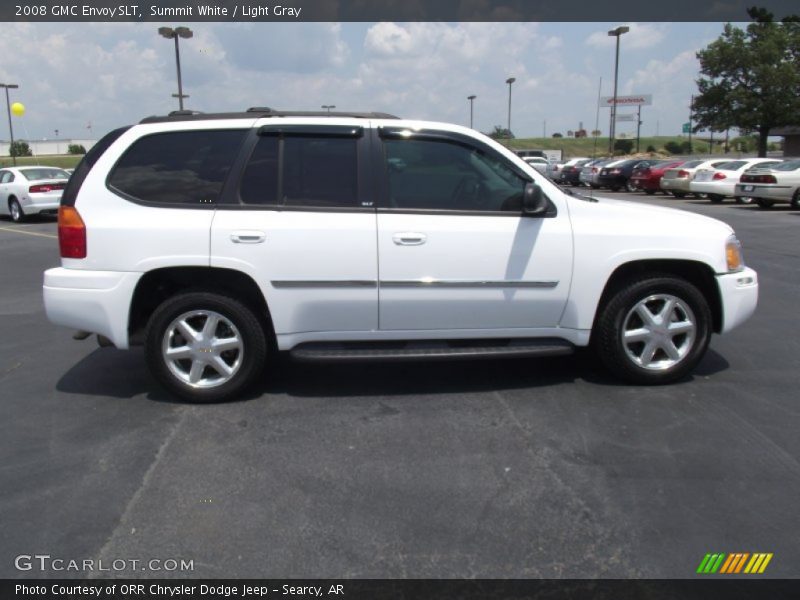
(653, 330)
(205, 347)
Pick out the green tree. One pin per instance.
(750, 78)
(20, 148)
(623, 146)
(501, 133)
(76, 149)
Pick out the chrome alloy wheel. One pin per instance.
(202, 348)
(659, 332)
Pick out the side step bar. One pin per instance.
(429, 350)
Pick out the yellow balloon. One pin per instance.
(18, 108)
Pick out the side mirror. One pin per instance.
(534, 202)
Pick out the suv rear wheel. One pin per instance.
(654, 330)
(205, 347)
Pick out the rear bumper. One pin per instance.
(709, 187)
(34, 203)
(96, 301)
(770, 192)
(680, 184)
(739, 294)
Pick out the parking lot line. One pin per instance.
(15, 230)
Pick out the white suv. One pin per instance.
(218, 240)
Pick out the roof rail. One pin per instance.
(260, 112)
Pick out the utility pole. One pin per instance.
(638, 126)
(690, 124)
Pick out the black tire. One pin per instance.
(679, 194)
(650, 192)
(614, 188)
(744, 199)
(617, 314)
(764, 203)
(631, 187)
(15, 210)
(716, 198)
(247, 362)
(795, 202)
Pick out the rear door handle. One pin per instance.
(409, 238)
(248, 237)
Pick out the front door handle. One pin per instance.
(409, 238)
(248, 237)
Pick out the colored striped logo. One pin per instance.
(739, 562)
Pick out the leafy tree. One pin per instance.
(672, 147)
(596, 132)
(19, 148)
(76, 149)
(557, 135)
(651, 148)
(623, 146)
(501, 133)
(750, 78)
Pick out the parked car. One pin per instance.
(28, 191)
(721, 181)
(538, 163)
(553, 170)
(569, 173)
(647, 178)
(616, 176)
(677, 180)
(217, 241)
(770, 184)
(590, 172)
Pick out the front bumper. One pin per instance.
(739, 295)
(95, 301)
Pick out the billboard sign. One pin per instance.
(638, 100)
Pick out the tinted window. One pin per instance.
(791, 165)
(43, 173)
(692, 163)
(181, 167)
(316, 171)
(447, 176)
(734, 165)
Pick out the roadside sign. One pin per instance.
(640, 100)
(687, 128)
(630, 117)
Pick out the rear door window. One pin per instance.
(177, 167)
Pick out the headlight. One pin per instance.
(733, 254)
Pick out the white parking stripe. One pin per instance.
(16, 230)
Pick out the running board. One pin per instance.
(430, 350)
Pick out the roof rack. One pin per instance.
(260, 112)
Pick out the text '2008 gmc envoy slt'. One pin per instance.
(217, 240)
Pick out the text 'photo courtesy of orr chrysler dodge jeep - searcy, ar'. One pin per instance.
(218, 240)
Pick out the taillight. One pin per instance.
(45, 187)
(758, 179)
(71, 233)
(718, 176)
(682, 173)
(594, 169)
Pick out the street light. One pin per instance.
(174, 34)
(471, 100)
(509, 81)
(328, 107)
(10, 86)
(617, 33)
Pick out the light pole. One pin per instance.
(328, 107)
(174, 34)
(471, 100)
(613, 125)
(10, 86)
(509, 81)
(57, 152)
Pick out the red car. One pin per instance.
(648, 179)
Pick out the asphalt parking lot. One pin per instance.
(523, 468)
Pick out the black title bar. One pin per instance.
(189, 11)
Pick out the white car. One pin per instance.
(28, 191)
(218, 240)
(677, 180)
(538, 163)
(769, 184)
(720, 181)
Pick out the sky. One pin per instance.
(84, 79)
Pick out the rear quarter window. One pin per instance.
(178, 167)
